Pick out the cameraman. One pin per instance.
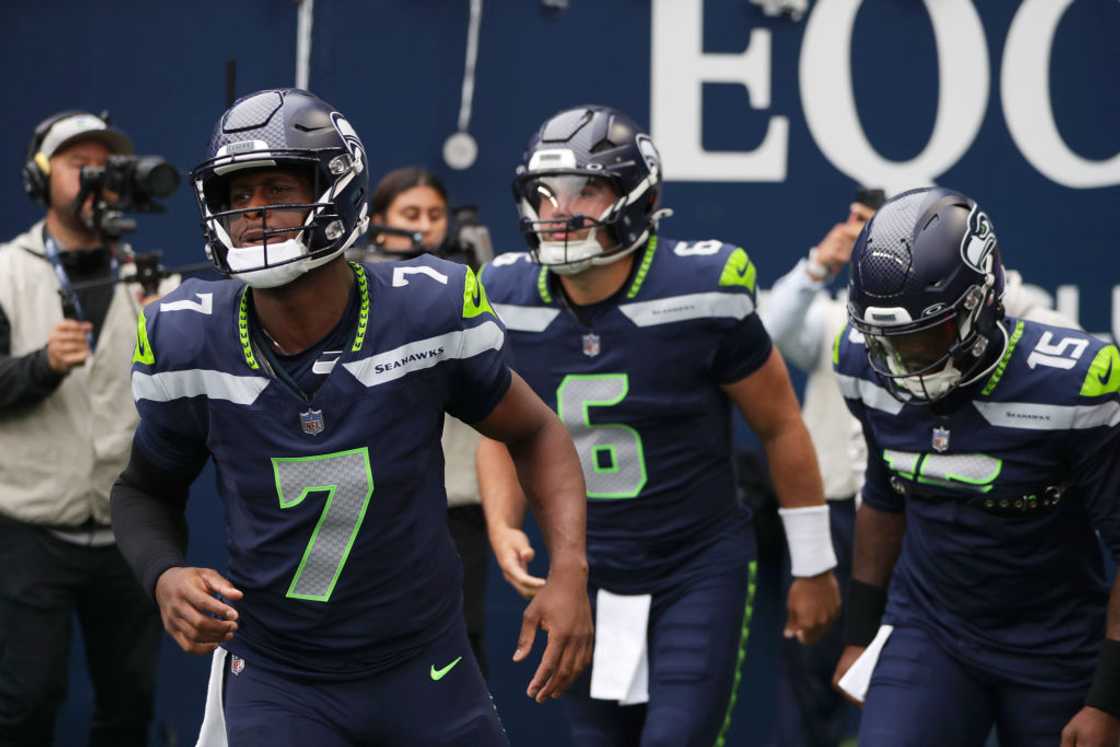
(67, 331)
(412, 203)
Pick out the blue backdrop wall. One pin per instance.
(766, 127)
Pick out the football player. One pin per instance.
(319, 388)
(642, 343)
(993, 461)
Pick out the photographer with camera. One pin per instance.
(410, 216)
(67, 329)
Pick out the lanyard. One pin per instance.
(69, 295)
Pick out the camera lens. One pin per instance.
(156, 176)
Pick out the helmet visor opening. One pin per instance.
(918, 352)
(568, 206)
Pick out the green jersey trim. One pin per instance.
(143, 352)
(994, 379)
(1103, 376)
(643, 268)
(739, 270)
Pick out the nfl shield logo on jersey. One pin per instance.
(312, 422)
(940, 439)
(236, 664)
(591, 344)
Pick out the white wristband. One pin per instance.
(810, 540)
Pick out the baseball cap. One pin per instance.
(83, 126)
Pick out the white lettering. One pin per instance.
(829, 102)
(1025, 84)
(678, 70)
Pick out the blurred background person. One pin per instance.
(66, 420)
(410, 216)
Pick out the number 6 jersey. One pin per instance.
(336, 516)
(636, 380)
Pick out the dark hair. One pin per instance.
(401, 180)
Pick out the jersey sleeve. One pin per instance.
(1095, 448)
(482, 363)
(744, 344)
(849, 362)
(172, 431)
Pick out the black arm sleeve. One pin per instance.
(149, 520)
(26, 379)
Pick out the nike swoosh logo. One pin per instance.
(1104, 378)
(439, 674)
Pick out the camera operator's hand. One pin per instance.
(68, 345)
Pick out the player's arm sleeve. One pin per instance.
(1095, 457)
(481, 373)
(24, 379)
(876, 489)
(149, 501)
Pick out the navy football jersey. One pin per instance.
(636, 380)
(336, 515)
(1002, 494)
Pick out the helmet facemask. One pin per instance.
(925, 360)
(568, 220)
(267, 246)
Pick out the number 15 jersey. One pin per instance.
(636, 380)
(336, 516)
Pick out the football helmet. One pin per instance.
(283, 129)
(926, 290)
(587, 172)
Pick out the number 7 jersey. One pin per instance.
(336, 516)
(636, 380)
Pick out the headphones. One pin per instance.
(37, 168)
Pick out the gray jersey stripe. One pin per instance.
(525, 318)
(169, 385)
(686, 307)
(869, 393)
(1036, 417)
(421, 354)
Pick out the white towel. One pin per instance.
(858, 677)
(620, 664)
(212, 733)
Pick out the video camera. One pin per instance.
(134, 183)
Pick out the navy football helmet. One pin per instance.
(297, 131)
(593, 159)
(925, 290)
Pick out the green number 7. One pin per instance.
(347, 479)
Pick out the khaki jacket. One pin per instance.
(60, 457)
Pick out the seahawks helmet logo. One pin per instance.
(979, 242)
(350, 139)
(650, 154)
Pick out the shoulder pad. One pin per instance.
(514, 278)
(1052, 364)
(849, 352)
(710, 265)
(171, 330)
